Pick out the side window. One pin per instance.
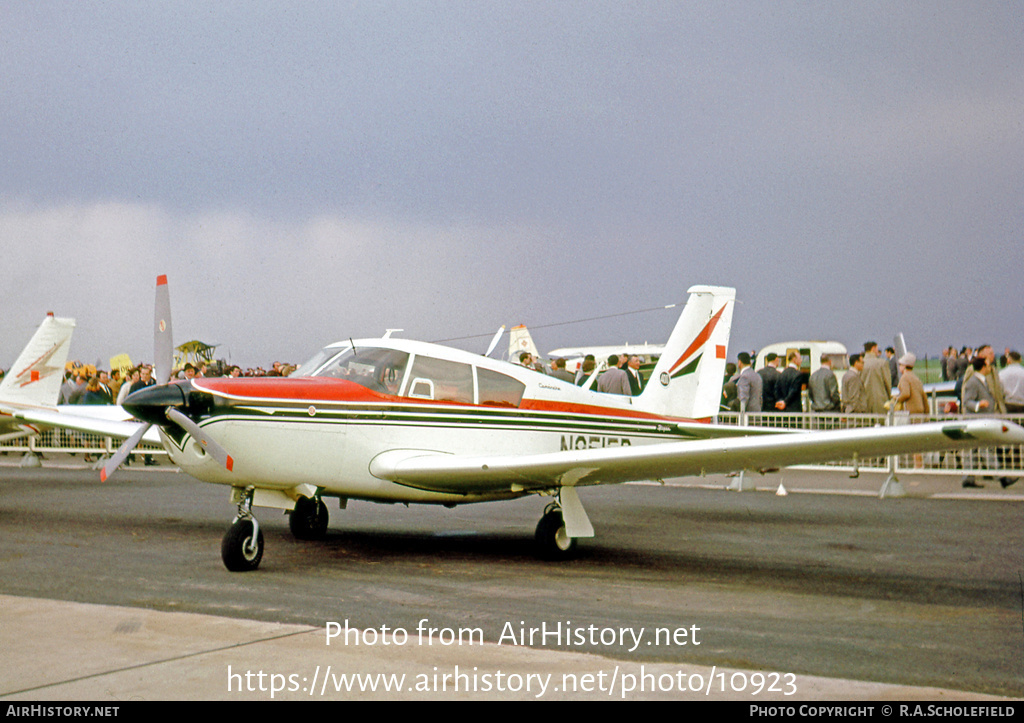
(440, 380)
(498, 389)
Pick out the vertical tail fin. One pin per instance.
(519, 340)
(38, 373)
(687, 380)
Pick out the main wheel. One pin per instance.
(238, 549)
(308, 521)
(552, 541)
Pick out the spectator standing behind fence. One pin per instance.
(632, 369)
(894, 367)
(854, 401)
(614, 380)
(730, 401)
(876, 379)
(558, 371)
(991, 379)
(823, 389)
(748, 385)
(979, 399)
(586, 369)
(769, 380)
(790, 386)
(1012, 380)
(911, 395)
(133, 376)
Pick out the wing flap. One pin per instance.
(437, 471)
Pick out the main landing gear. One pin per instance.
(308, 521)
(242, 546)
(564, 521)
(553, 542)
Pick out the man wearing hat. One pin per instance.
(911, 392)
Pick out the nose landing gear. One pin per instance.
(242, 546)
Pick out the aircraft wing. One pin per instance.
(475, 474)
(105, 420)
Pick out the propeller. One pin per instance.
(494, 341)
(158, 404)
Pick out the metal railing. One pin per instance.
(66, 441)
(996, 461)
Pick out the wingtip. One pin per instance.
(161, 280)
(230, 464)
(103, 475)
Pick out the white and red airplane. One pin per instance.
(394, 420)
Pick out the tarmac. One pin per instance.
(68, 651)
(62, 651)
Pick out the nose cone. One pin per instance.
(150, 404)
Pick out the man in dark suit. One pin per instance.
(790, 385)
(769, 379)
(636, 384)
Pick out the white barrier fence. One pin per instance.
(65, 441)
(995, 461)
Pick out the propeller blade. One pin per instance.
(122, 453)
(212, 448)
(494, 341)
(163, 346)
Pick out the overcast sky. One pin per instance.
(305, 172)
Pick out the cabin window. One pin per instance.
(441, 380)
(378, 369)
(499, 389)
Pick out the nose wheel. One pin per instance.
(242, 546)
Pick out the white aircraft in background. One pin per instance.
(34, 382)
(393, 420)
(30, 391)
(521, 340)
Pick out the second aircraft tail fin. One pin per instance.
(38, 373)
(687, 380)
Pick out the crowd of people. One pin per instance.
(621, 376)
(867, 387)
(873, 385)
(84, 384)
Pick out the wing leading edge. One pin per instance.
(104, 420)
(440, 472)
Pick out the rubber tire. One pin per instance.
(308, 521)
(552, 542)
(233, 547)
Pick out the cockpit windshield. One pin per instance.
(381, 370)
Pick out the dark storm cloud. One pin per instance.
(307, 171)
